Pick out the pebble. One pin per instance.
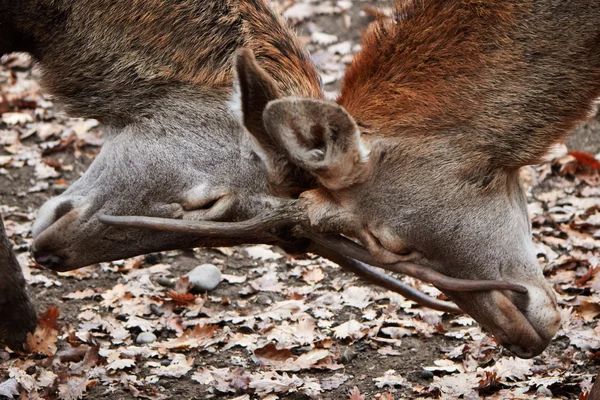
(348, 355)
(205, 277)
(427, 375)
(165, 282)
(544, 391)
(145, 338)
(156, 310)
(263, 300)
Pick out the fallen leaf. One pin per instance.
(313, 276)
(179, 366)
(262, 252)
(44, 338)
(351, 329)
(200, 336)
(74, 388)
(9, 387)
(80, 294)
(390, 378)
(334, 381)
(355, 394)
(16, 118)
(121, 363)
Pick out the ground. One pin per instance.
(277, 326)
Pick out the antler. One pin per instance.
(251, 229)
(260, 225)
(437, 279)
(343, 251)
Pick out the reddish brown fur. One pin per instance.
(294, 72)
(476, 70)
(103, 54)
(410, 68)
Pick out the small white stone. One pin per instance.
(205, 277)
(145, 338)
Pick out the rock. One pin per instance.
(264, 300)
(205, 277)
(348, 355)
(427, 375)
(544, 391)
(165, 282)
(145, 338)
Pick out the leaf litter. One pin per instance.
(278, 327)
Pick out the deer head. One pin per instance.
(159, 77)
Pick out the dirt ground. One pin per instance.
(394, 335)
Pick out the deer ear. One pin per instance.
(320, 137)
(256, 90)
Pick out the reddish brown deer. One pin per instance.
(419, 157)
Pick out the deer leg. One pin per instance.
(17, 312)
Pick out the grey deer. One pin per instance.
(159, 76)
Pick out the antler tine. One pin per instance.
(259, 226)
(379, 278)
(441, 281)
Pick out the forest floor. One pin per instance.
(278, 327)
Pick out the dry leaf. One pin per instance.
(283, 360)
(121, 363)
(15, 118)
(199, 337)
(445, 366)
(313, 276)
(359, 297)
(262, 252)
(351, 329)
(43, 340)
(334, 381)
(9, 387)
(73, 389)
(355, 394)
(80, 294)
(179, 366)
(390, 378)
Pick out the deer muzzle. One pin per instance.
(524, 323)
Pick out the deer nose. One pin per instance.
(521, 351)
(46, 259)
(54, 218)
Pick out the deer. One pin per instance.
(415, 166)
(159, 77)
